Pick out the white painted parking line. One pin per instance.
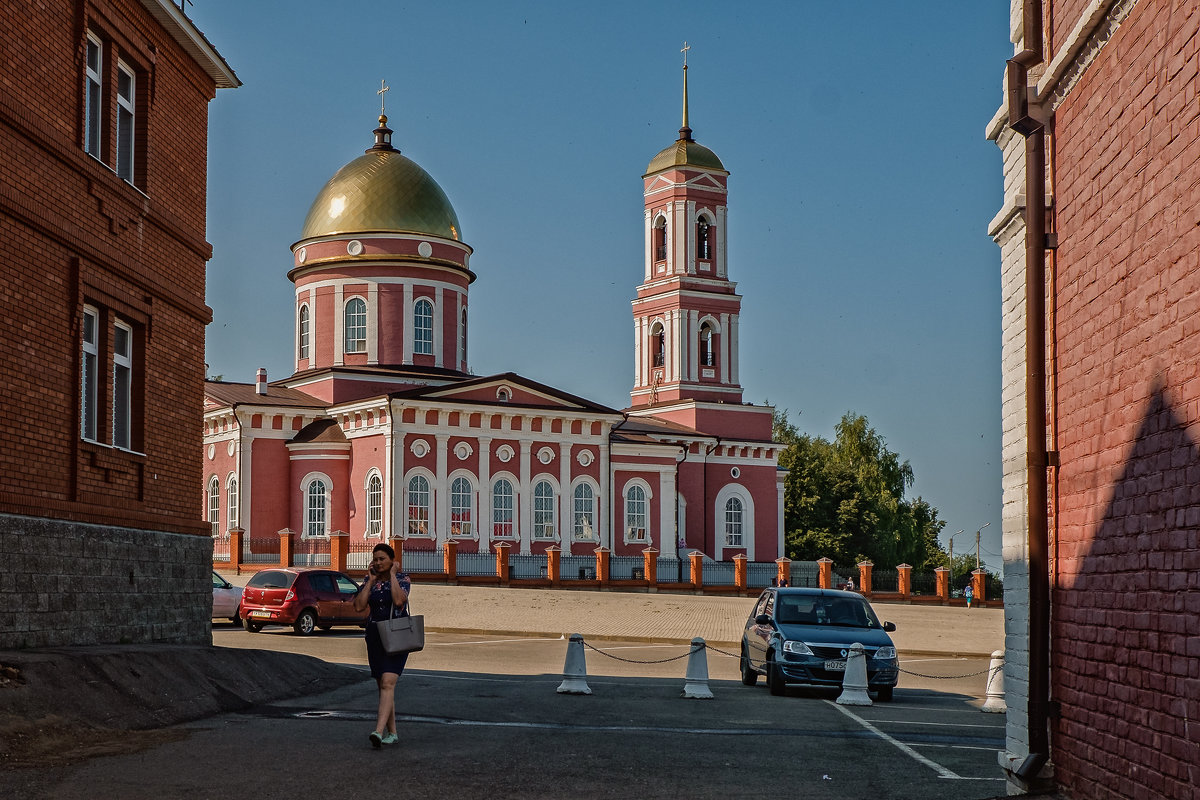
(901, 746)
(996, 726)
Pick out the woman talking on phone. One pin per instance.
(385, 590)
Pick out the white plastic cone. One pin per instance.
(696, 680)
(575, 669)
(854, 681)
(994, 704)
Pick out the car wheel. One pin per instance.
(749, 676)
(236, 620)
(253, 627)
(885, 694)
(306, 623)
(775, 676)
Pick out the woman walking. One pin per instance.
(386, 592)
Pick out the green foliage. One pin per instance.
(844, 499)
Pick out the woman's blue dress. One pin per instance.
(380, 601)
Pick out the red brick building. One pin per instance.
(1102, 396)
(103, 159)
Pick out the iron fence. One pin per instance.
(359, 554)
(993, 586)
(477, 564)
(760, 574)
(804, 573)
(577, 568)
(424, 561)
(843, 575)
(627, 568)
(221, 549)
(261, 551)
(885, 580)
(924, 582)
(672, 570)
(311, 552)
(718, 573)
(529, 567)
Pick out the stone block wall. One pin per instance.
(70, 583)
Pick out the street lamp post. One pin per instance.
(952, 559)
(977, 562)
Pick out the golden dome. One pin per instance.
(382, 191)
(685, 153)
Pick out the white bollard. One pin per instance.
(696, 680)
(854, 681)
(575, 668)
(994, 704)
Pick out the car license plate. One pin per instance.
(835, 666)
(257, 614)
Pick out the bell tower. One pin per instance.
(685, 317)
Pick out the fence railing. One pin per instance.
(718, 573)
(424, 561)
(311, 552)
(577, 568)
(221, 549)
(475, 564)
(261, 551)
(924, 582)
(884, 580)
(627, 568)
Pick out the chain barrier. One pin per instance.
(998, 668)
(691, 650)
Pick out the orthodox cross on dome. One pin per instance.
(383, 134)
(685, 133)
(686, 47)
(383, 87)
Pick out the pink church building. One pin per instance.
(382, 432)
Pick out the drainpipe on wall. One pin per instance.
(1023, 122)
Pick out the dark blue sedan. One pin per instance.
(802, 636)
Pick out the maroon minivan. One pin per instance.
(306, 599)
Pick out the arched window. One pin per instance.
(733, 522)
(423, 328)
(658, 344)
(660, 239)
(231, 501)
(635, 514)
(316, 509)
(374, 505)
(356, 326)
(707, 355)
(502, 509)
(543, 510)
(214, 505)
(303, 325)
(460, 508)
(585, 513)
(418, 506)
(703, 240)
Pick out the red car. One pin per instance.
(306, 599)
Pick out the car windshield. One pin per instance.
(272, 579)
(844, 612)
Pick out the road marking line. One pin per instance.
(954, 747)
(937, 724)
(941, 771)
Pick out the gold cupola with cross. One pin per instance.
(686, 312)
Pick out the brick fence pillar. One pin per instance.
(339, 549)
(602, 554)
(450, 559)
(978, 583)
(398, 546)
(502, 549)
(287, 543)
(554, 565)
(697, 559)
(825, 573)
(235, 549)
(904, 580)
(650, 567)
(864, 577)
(943, 583)
(739, 572)
(783, 572)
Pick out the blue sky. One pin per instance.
(860, 191)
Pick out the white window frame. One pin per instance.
(306, 488)
(374, 496)
(731, 490)
(303, 323)
(126, 123)
(231, 501)
(636, 520)
(214, 505)
(583, 521)
(354, 326)
(734, 525)
(93, 98)
(422, 330)
(543, 511)
(462, 507)
(89, 409)
(409, 519)
(122, 388)
(462, 339)
(508, 507)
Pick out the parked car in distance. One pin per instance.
(306, 599)
(802, 637)
(227, 600)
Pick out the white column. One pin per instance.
(679, 236)
(669, 346)
(779, 539)
(666, 512)
(526, 518)
(733, 348)
(373, 323)
(566, 499)
(246, 480)
(638, 335)
(398, 505)
(690, 237)
(602, 498)
(649, 245)
(484, 522)
(339, 326)
(669, 239)
(724, 348)
(720, 243)
(693, 345)
(407, 322)
(439, 326)
(441, 503)
(386, 484)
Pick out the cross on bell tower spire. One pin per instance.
(685, 133)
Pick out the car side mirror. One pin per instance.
(762, 619)
(889, 626)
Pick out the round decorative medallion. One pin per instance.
(302, 255)
(585, 458)
(735, 472)
(229, 448)
(504, 453)
(354, 247)
(425, 249)
(212, 451)
(463, 451)
(545, 455)
(419, 448)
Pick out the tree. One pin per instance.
(844, 499)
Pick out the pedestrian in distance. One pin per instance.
(385, 591)
(969, 593)
(850, 584)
